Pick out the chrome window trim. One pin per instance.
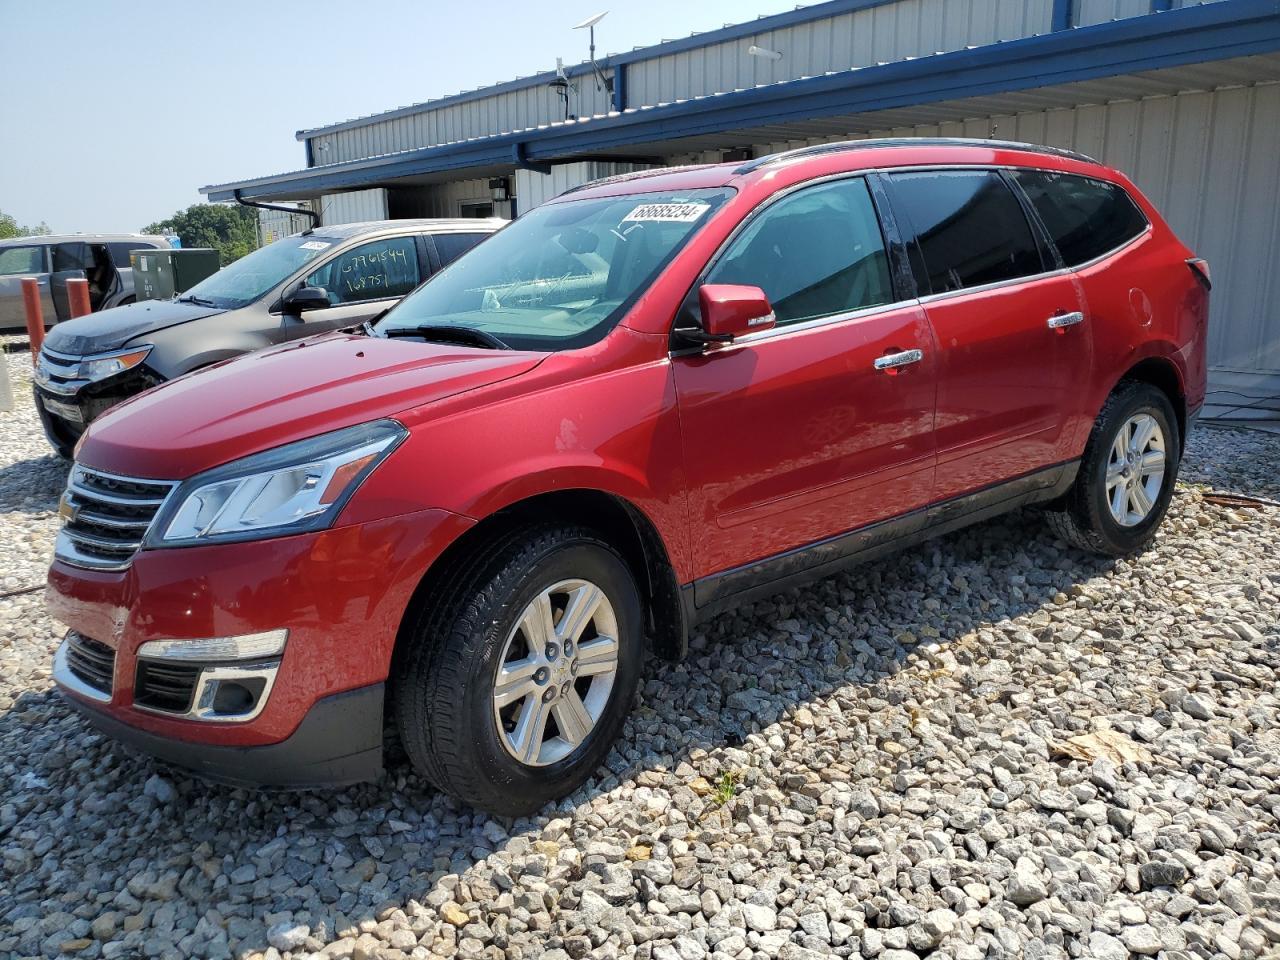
(1114, 250)
(63, 676)
(802, 326)
(994, 285)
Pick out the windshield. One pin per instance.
(244, 281)
(25, 260)
(563, 274)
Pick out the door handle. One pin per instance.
(1060, 320)
(891, 361)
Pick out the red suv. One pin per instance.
(657, 396)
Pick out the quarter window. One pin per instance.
(1085, 217)
(451, 246)
(970, 227)
(120, 252)
(21, 260)
(372, 271)
(814, 253)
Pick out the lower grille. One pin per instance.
(106, 517)
(165, 686)
(92, 662)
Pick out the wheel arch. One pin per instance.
(619, 521)
(1163, 374)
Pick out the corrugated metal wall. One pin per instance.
(1089, 12)
(481, 117)
(445, 199)
(1208, 161)
(535, 188)
(910, 28)
(354, 207)
(274, 224)
(1100, 11)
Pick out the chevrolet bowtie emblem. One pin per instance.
(67, 509)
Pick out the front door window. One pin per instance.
(371, 271)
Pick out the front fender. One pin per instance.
(617, 432)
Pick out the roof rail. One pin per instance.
(818, 149)
(629, 175)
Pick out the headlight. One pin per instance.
(99, 368)
(292, 489)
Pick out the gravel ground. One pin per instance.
(988, 746)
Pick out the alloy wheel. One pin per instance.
(1135, 469)
(556, 672)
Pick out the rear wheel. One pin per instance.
(517, 679)
(1126, 476)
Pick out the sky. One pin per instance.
(131, 107)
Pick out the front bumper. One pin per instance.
(339, 741)
(342, 594)
(65, 415)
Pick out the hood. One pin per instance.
(265, 399)
(112, 329)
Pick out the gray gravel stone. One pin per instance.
(918, 749)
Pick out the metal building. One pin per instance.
(1183, 96)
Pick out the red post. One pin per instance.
(35, 316)
(78, 296)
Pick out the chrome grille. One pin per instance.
(92, 662)
(58, 372)
(106, 517)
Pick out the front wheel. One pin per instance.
(1126, 476)
(517, 677)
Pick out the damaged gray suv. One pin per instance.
(324, 279)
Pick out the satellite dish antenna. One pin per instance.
(589, 24)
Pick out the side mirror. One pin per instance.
(306, 298)
(730, 310)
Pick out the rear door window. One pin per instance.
(815, 253)
(71, 256)
(1085, 218)
(371, 271)
(451, 246)
(969, 226)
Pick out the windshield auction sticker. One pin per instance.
(315, 245)
(667, 212)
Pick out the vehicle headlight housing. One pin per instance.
(108, 365)
(296, 488)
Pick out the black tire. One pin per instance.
(443, 677)
(1083, 518)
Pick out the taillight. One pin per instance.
(1200, 267)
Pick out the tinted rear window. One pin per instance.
(970, 227)
(451, 246)
(1085, 218)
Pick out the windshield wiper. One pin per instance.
(198, 301)
(449, 333)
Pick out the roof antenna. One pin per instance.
(602, 82)
(561, 84)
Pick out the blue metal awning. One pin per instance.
(1192, 35)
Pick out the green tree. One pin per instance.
(9, 228)
(231, 230)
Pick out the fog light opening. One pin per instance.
(237, 697)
